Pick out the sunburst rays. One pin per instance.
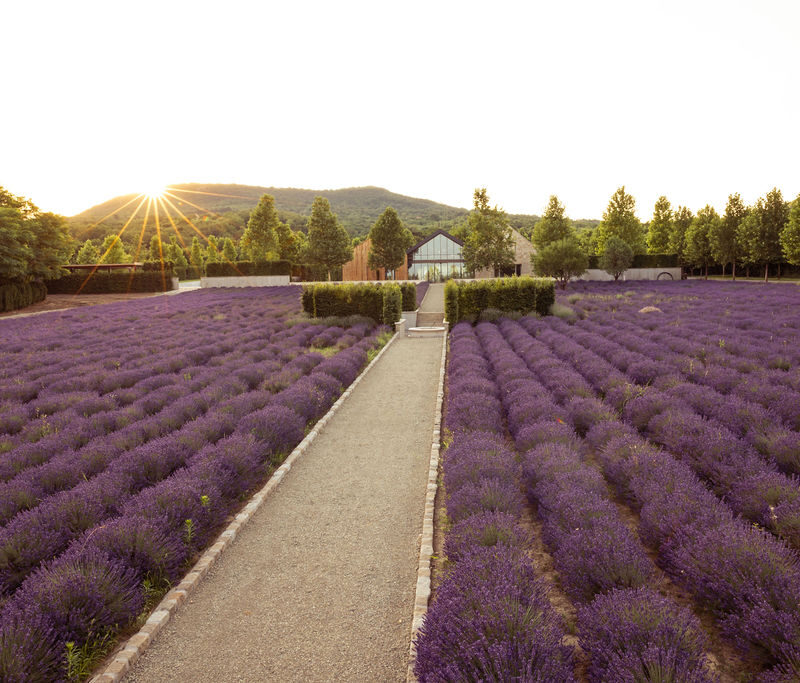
(158, 200)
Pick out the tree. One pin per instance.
(554, 226)
(490, 243)
(698, 238)
(561, 260)
(681, 220)
(287, 242)
(790, 237)
(50, 246)
(328, 242)
(176, 254)
(14, 237)
(725, 246)
(617, 256)
(196, 252)
(587, 241)
(228, 250)
(156, 249)
(619, 220)
(660, 227)
(112, 251)
(87, 254)
(389, 241)
(760, 231)
(259, 237)
(212, 254)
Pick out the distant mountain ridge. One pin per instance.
(357, 207)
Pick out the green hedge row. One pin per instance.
(16, 295)
(382, 303)
(645, 261)
(467, 300)
(409, 290)
(167, 266)
(110, 283)
(239, 268)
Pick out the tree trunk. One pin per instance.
(733, 268)
(779, 270)
(747, 271)
(766, 272)
(706, 272)
(723, 270)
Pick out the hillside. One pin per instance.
(225, 209)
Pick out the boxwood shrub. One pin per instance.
(467, 300)
(15, 295)
(323, 299)
(110, 283)
(409, 290)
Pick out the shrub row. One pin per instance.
(467, 300)
(14, 295)
(167, 266)
(645, 261)
(409, 290)
(381, 302)
(110, 283)
(239, 268)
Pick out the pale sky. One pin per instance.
(691, 99)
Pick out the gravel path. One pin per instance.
(434, 299)
(319, 586)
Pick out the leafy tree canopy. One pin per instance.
(790, 237)
(725, 244)
(760, 231)
(561, 260)
(87, 254)
(328, 242)
(660, 227)
(698, 237)
(490, 243)
(619, 220)
(389, 241)
(617, 256)
(554, 226)
(260, 239)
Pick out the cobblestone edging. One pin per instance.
(423, 592)
(138, 643)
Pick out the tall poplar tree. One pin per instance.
(698, 238)
(490, 243)
(760, 231)
(660, 227)
(619, 220)
(328, 242)
(259, 238)
(228, 250)
(681, 220)
(389, 240)
(553, 226)
(725, 245)
(790, 237)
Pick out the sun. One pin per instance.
(154, 191)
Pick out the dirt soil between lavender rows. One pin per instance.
(60, 302)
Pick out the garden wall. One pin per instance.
(634, 274)
(245, 281)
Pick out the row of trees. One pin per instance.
(758, 235)
(33, 244)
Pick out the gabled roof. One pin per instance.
(431, 236)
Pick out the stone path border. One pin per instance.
(139, 642)
(423, 592)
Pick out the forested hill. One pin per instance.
(225, 209)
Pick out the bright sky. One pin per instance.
(693, 99)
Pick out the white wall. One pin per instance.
(245, 281)
(633, 274)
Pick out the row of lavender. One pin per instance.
(201, 396)
(491, 619)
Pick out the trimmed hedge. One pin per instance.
(323, 300)
(16, 295)
(644, 261)
(239, 268)
(167, 266)
(392, 303)
(467, 300)
(409, 290)
(110, 283)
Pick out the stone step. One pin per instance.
(426, 331)
(429, 319)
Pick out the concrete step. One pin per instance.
(438, 331)
(429, 319)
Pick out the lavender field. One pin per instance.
(647, 439)
(129, 433)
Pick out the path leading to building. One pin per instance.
(433, 302)
(319, 586)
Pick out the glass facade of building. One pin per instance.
(435, 259)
